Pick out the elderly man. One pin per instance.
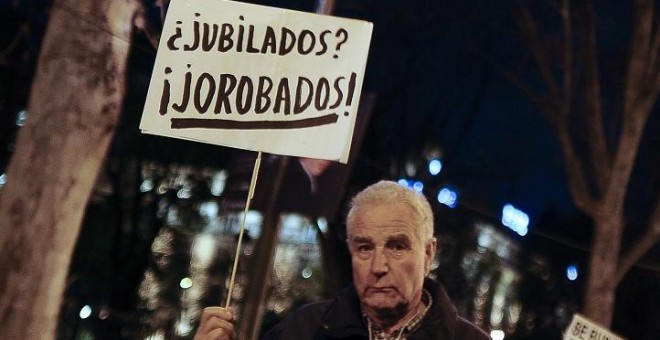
(390, 238)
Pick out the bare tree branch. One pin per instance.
(612, 167)
(644, 244)
(640, 52)
(594, 114)
(574, 165)
(643, 85)
(575, 170)
(631, 136)
(557, 106)
(530, 33)
(654, 64)
(568, 55)
(542, 103)
(14, 43)
(655, 48)
(637, 104)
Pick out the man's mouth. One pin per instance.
(381, 289)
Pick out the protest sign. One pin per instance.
(258, 78)
(582, 328)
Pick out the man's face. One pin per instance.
(389, 259)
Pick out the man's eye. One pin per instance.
(398, 246)
(364, 247)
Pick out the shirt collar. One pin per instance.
(377, 333)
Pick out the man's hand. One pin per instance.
(216, 324)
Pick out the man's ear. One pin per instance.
(429, 254)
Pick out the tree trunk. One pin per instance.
(73, 110)
(601, 284)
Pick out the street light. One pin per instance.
(572, 272)
(435, 166)
(447, 197)
(85, 312)
(515, 219)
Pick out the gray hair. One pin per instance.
(385, 192)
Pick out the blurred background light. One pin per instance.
(21, 117)
(147, 185)
(158, 335)
(497, 334)
(3, 179)
(218, 183)
(184, 193)
(162, 188)
(183, 327)
(572, 272)
(515, 219)
(85, 312)
(209, 209)
(447, 197)
(185, 283)
(322, 222)
(418, 186)
(411, 168)
(253, 222)
(435, 166)
(203, 250)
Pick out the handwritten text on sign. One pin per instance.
(258, 78)
(582, 328)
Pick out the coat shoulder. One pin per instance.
(302, 323)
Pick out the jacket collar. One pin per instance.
(343, 318)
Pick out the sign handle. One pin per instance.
(253, 184)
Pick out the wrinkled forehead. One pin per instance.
(379, 221)
(382, 237)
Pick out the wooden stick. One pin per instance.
(253, 184)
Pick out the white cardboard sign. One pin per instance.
(258, 78)
(582, 328)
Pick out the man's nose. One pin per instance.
(379, 265)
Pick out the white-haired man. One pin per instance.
(390, 238)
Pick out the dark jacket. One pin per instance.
(341, 318)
